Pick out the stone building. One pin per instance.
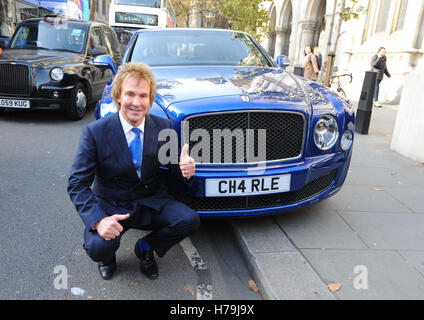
(398, 25)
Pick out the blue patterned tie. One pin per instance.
(136, 148)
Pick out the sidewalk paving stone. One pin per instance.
(389, 275)
(363, 198)
(384, 177)
(388, 231)
(415, 259)
(411, 197)
(312, 228)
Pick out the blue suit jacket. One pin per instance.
(103, 179)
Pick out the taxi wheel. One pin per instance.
(79, 103)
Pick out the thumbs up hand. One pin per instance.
(187, 164)
(110, 228)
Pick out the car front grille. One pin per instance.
(284, 133)
(14, 79)
(311, 189)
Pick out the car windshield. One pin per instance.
(65, 36)
(124, 34)
(194, 47)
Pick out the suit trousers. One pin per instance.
(175, 222)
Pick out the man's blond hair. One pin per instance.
(137, 70)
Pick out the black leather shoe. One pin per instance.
(148, 264)
(107, 270)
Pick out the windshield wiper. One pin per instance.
(42, 48)
(67, 50)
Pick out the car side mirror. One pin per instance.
(283, 61)
(104, 61)
(97, 51)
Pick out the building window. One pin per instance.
(383, 15)
(401, 17)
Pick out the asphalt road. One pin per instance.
(41, 238)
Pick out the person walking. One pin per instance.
(116, 183)
(318, 54)
(379, 65)
(310, 64)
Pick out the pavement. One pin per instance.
(364, 243)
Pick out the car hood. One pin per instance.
(262, 85)
(39, 58)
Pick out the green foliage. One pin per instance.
(245, 15)
(352, 10)
(182, 12)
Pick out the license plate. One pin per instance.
(230, 187)
(13, 103)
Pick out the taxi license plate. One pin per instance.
(230, 187)
(13, 103)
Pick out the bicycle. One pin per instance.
(339, 89)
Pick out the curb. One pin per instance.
(278, 268)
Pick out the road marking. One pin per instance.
(203, 288)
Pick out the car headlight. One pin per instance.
(56, 74)
(326, 132)
(346, 140)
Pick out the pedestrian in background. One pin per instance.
(319, 57)
(310, 64)
(379, 65)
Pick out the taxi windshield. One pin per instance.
(51, 35)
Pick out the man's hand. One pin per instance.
(187, 164)
(110, 228)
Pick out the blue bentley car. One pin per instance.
(264, 140)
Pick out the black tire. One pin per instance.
(79, 103)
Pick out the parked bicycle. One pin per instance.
(336, 80)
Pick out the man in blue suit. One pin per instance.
(116, 183)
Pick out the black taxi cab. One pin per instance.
(48, 65)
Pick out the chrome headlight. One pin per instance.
(347, 139)
(326, 132)
(56, 74)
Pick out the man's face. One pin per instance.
(134, 100)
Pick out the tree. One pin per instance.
(186, 9)
(93, 9)
(352, 10)
(183, 9)
(246, 15)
